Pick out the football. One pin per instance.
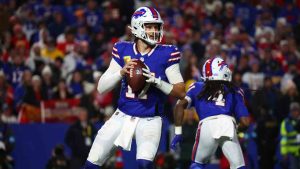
(135, 79)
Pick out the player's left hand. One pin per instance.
(177, 139)
(151, 78)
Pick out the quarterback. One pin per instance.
(139, 114)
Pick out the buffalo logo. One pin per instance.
(139, 13)
(222, 64)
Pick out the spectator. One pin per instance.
(19, 37)
(66, 42)
(98, 45)
(79, 138)
(14, 70)
(264, 104)
(7, 115)
(289, 146)
(48, 82)
(58, 159)
(73, 60)
(288, 76)
(82, 33)
(34, 93)
(6, 92)
(237, 80)
(35, 61)
(7, 142)
(197, 47)
(50, 51)
(61, 91)
(102, 104)
(76, 84)
(58, 25)
(41, 37)
(93, 15)
(290, 94)
(111, 26)
(20, 90)
(254, 78)
(269, 65)
(229, 15)
(242, 65)
(57, 68)
(68, 10)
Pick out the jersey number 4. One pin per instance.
(219, 101)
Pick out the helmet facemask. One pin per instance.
(153, 36)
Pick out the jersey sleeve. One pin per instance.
(191, 95)
(240, 107)
(116, 54)
(173, 56)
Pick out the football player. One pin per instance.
(138, 114)
(218, 104)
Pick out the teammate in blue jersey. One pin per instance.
(218, 104)
(138, 114)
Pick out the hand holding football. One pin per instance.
(135, 78)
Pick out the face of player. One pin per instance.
(152, 31)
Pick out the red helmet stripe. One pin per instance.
(154, 13)
(208, 69)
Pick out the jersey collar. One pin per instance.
(136, 51)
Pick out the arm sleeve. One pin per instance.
(173, 74)
(110, 77)
(240, 107)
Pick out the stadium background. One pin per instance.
(55, 50)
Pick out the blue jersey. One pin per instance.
(14, 73)
(158, 60)
(232, 104)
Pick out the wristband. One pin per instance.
(164, 86)
(178, 130)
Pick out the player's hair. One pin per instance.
(212, 88)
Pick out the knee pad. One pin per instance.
(145, 164)
(89, 165)
(243, 167)
(195, 165)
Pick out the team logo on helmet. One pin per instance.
(216, 69)
(139, 13)
(222, 64)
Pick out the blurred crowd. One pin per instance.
(54, 50)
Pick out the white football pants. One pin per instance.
(205, 145)
(147, 135)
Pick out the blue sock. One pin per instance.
(197, 166)
(145, 164)
(243, 167)
(89, 165)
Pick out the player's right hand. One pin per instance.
(129, 65)
(176, 140)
